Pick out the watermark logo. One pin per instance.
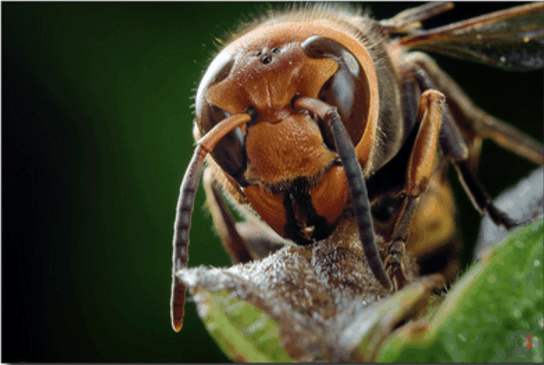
(527, 345)
(530, 342)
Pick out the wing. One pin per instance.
(409, 20)
(511, 39)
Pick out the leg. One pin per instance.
(479, 197)
(421, 165)
(224, 222)
(455, 149)
(470, 116)
(243, 241)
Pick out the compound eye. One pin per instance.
(229, 152)
(348, 89)
(218, 71)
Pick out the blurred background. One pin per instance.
(96, 134)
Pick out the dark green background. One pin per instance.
(96, 102)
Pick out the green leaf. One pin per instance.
(492, 314)
(244, 332)
(378, 320)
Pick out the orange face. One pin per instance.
(284, 162)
